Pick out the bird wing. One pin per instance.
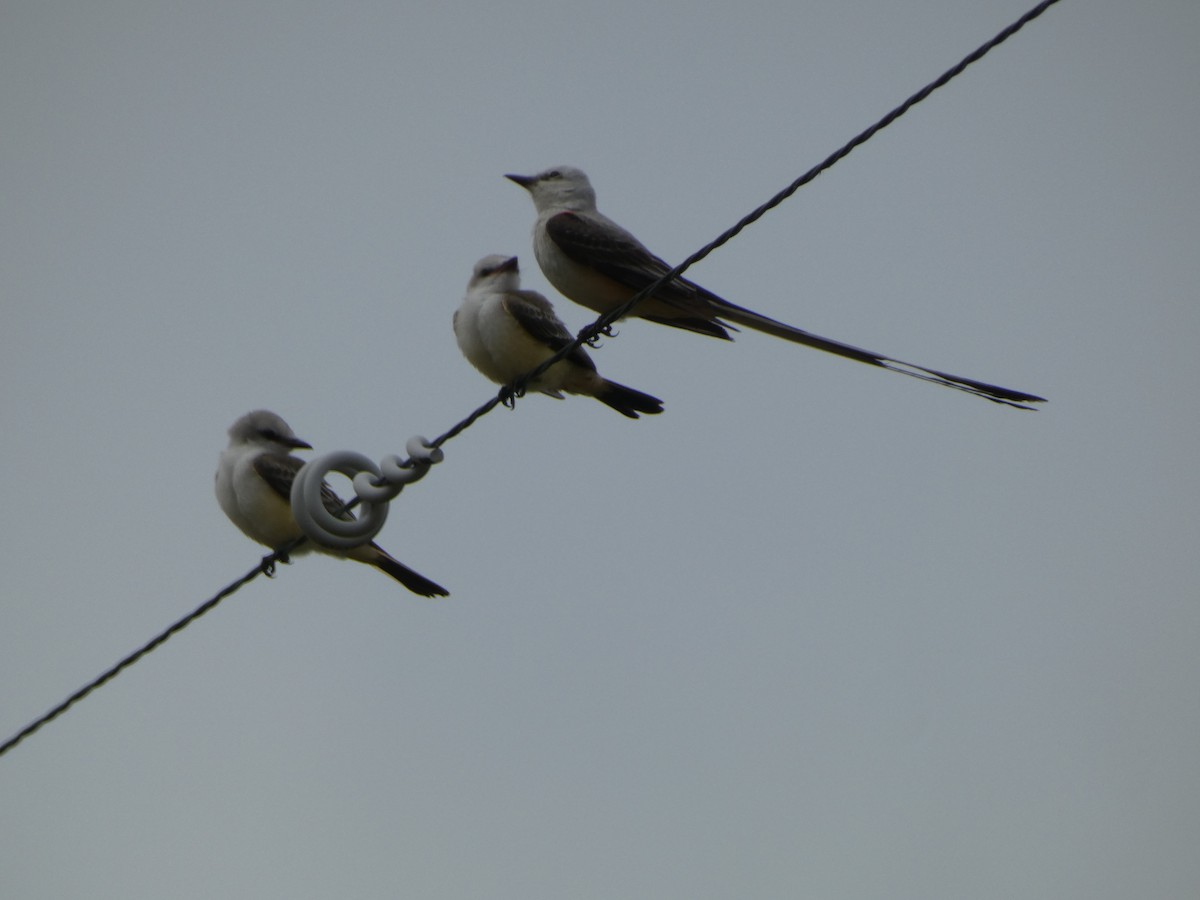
(617, 254)
(280, 471)
(535, 314)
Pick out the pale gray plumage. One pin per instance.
(592, 260)
(253, 486)
(506, 332)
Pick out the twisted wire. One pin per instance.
(602, 326)
(207, 606)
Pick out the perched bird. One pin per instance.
(505, 332)
(594, 261)
(254, 485)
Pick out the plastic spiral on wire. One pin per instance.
(307, 503)
(374, 487)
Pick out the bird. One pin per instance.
(254, 484)
(593, 261)
(505, 332)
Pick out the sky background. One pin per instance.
(817, 631)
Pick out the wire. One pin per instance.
(266, 567)
(602, 326)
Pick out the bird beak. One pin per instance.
(297, 444)
(509, 265)
(525, 181)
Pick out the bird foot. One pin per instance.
(593, 340)
(509, 395)
(267, 566)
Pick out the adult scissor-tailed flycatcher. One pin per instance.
(254, 485)
(505, 332)
(598, 264)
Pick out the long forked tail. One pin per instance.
(627, 401)
(759, 322)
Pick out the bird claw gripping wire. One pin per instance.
(509, 395)
(282, 555)
(593, 340)
(374, 487)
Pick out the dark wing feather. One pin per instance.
(280, 471)
(534, 313)
(618, 255)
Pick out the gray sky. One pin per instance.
(818, 630)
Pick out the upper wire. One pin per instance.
(602, 326)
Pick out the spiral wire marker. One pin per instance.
(374, 488)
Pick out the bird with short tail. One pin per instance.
(505, 332)
(254, 488)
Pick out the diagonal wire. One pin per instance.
(602, 326)
(208, 605)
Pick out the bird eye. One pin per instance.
(270, 434)
(553, 174)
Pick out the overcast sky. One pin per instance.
(816, 631)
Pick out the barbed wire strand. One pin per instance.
(602, 326)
